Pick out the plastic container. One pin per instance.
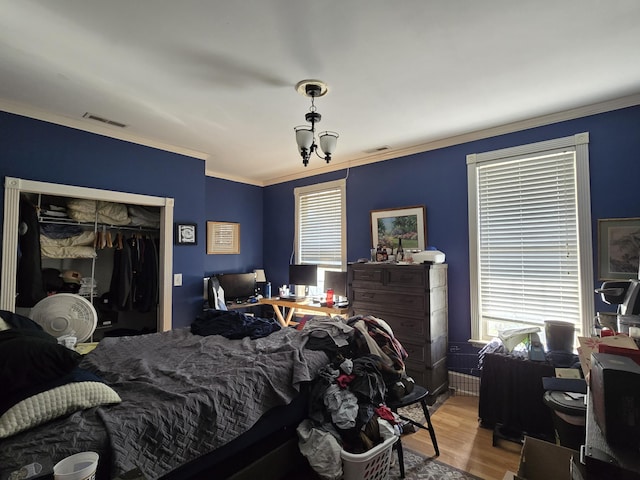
(569, 419)
(81, 466)
(373, 464)
(560, 336)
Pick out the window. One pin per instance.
(320, 236)
(530, 251)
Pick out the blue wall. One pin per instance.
(37, 150)
(41, 151)
(235, 202)
(438, 180)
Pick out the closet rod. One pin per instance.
(136, 228)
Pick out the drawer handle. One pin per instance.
(367, 295)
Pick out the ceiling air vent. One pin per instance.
(378, 149)
(91, 116)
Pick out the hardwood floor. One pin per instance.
(463, 443)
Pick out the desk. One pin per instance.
(278, 304)
(246, 306)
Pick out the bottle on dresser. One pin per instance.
(400, 251)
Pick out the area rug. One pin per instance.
(415, 412)
(419, 467)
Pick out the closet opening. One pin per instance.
(91, 261)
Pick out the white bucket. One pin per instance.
(81, 466)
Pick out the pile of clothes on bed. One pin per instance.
(347, 407)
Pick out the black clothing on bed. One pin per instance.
(232, 324)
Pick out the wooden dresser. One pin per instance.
(412, 299)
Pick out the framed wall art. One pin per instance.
(186, 234)
(618, 248)
(223, 237)
(408, 223)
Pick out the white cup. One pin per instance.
(81, 466)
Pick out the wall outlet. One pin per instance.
(177, 279)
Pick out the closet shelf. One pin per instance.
(93, 225)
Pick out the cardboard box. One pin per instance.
(542, 460)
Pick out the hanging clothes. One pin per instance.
(146, 277)
(134, 282)
(30, 283)
(122, 276)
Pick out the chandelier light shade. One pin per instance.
(304, 137)
(305, 134)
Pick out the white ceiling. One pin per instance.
(215, 79)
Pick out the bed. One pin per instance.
(187, 404)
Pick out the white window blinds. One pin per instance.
(528, 259)
(321, 224)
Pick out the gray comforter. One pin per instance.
(183, 396)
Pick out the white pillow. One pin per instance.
(4, 325)
(55, 403)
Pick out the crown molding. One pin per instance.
(542, 120)
(547, 119)
(88, 126)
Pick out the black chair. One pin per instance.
(418, 394)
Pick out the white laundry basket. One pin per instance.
(371, 465)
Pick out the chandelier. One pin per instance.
(305, 135)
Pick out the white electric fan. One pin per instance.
(66, 314)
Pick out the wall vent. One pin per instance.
(91, 116)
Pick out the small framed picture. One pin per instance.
(223, 237)
(186, 234)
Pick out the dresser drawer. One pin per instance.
(395, 277)
(403, 326)
(381, 300)
(435, 379)
(407, 276)
(427, 354)
(367, 276)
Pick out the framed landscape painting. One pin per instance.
(618, 248)
(407, 223)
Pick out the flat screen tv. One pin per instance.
(306, 275)
(237, 287)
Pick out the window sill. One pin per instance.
(477, 343)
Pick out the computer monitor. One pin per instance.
(337, 281)
(238, 287)
(303, 275)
